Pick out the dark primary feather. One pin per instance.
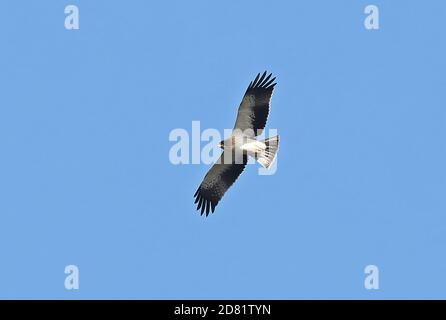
(254, 108)
(217, 181)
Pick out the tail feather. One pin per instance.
(267, 156)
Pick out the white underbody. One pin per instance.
(257, 149)
(253, 147)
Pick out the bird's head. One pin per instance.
(221, 144)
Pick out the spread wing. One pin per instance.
(217, 181)
(254, 108)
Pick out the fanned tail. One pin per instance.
(267, 156)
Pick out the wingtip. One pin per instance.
(269, 82)
(262, 80)
(202, 208)
(259, 83)
(200, 202)
(208, 205)
(254, 83)
(265, 81)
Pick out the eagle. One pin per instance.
(250, 122)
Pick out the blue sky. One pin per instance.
(85, 177)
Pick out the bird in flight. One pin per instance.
(251, 120)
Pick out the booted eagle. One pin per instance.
(251, 120)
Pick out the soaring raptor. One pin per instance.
(251, 119)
